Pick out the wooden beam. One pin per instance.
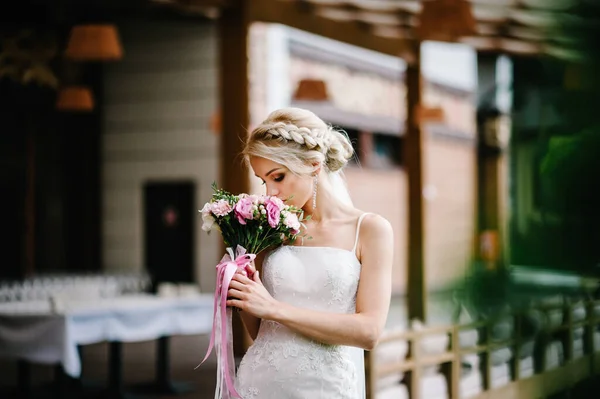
(200, 3)
(413, 155)
(233, 26)
(301, 16)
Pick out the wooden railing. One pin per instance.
(541, 384)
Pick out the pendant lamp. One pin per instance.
(99, 42)
(75, 99)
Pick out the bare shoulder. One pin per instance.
(376, 241)
(375, 226)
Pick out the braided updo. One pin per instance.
(298, 139)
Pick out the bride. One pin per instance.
(312, 308)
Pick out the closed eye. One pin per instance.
(279, 178)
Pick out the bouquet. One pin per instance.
(254, 222)
(249, 224)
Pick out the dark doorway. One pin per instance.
(169, 231)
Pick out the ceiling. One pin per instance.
(523, 27)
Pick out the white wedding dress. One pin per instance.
(282, 364)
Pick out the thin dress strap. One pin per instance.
(360, 219)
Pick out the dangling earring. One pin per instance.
(314, 199)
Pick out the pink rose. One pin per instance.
(244, 210)
(273, 212)
(221, 208)
(278, 202)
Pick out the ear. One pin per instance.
(317, 168)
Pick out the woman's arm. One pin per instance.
(361, 329)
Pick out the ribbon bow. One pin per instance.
(221, 331)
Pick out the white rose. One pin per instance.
(208, 222)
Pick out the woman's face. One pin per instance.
(282, 183)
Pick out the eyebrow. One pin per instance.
(271, 171)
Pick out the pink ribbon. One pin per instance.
(221, 331)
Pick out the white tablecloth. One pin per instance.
(33, 332)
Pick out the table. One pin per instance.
(37, 333)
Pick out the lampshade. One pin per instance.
(424, 114)
(94, 43)
(311, 89)
(75, 99)
(446, 20)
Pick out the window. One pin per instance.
(387, 151)
(374, 150)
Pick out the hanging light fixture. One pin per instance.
(99, 42)
(75, 99)
(311, 90)
(424, 114)
(446, 20)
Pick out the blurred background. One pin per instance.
(474, 125)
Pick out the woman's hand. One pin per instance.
(250, 270)
(250, 295)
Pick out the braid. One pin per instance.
(312, 139)
(307, 141)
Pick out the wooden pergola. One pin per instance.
(393, 27)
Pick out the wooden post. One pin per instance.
(415, 373)
(366, 145)
(489, 164)
(455, 365)
(370, 374)
(233, 68)
(413, 155)
(233, 79)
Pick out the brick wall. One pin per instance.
(352, 90)
(449, 180)
(449, 209)
(370, 94)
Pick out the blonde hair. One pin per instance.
(298, 139)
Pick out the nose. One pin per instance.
(272, 191)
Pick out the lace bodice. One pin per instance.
(318, 278)
(282, 364)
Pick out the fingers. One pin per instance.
(236, 285)
(240, 271)
(256, 277)
(241, 278)
(247, 271)
(235, 303)
(233, 293)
